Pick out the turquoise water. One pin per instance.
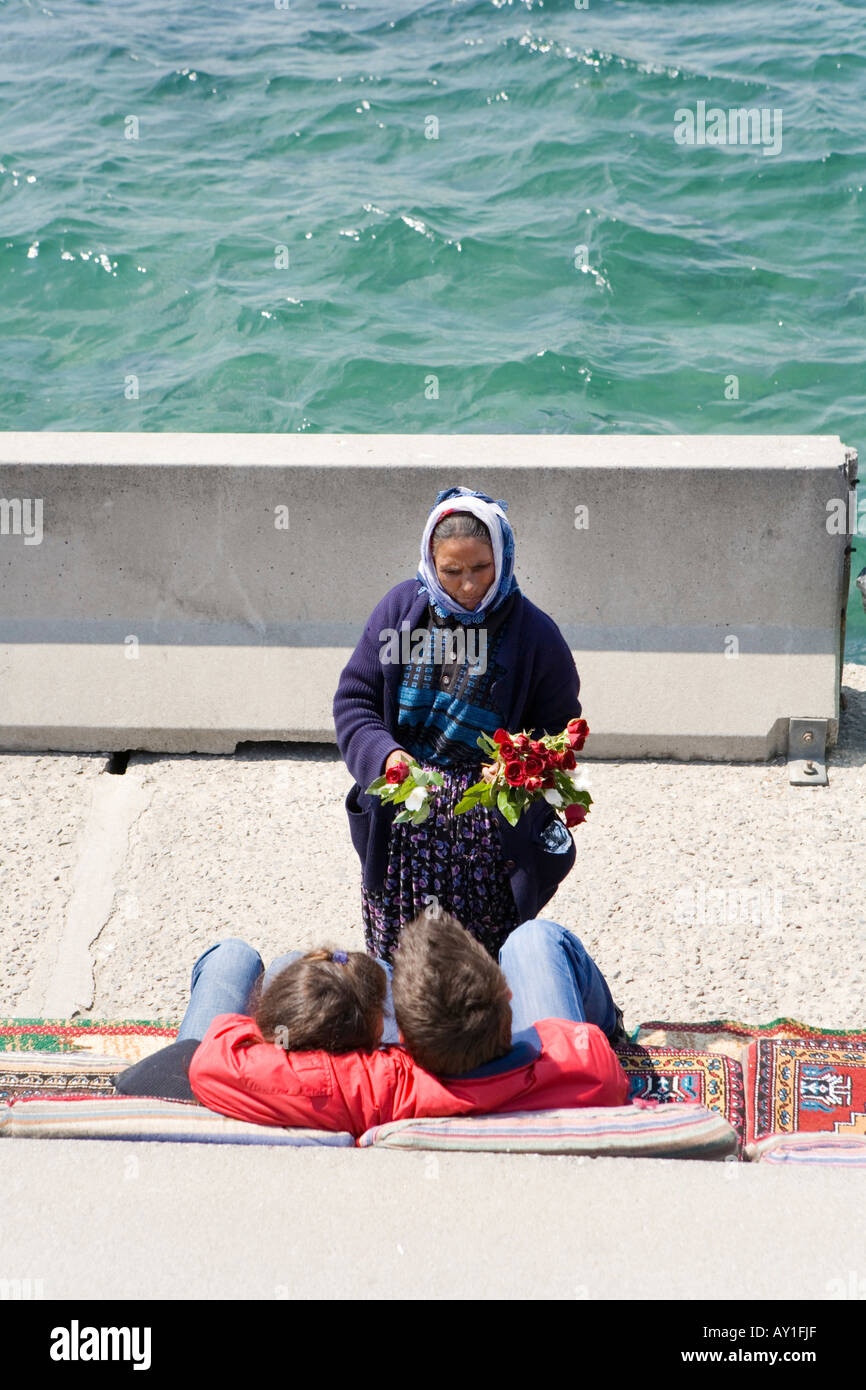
(411, 258)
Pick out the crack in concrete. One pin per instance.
(64, 985)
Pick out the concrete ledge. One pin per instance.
(190, 591)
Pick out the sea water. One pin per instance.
(458, 216)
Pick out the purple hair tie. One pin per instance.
(340, 957)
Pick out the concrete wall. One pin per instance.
(169, 547)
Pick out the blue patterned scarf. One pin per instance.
(492, 513)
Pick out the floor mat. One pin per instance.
(672, 1075)
(733, 1039)
(128, 1039)
(29, 1075)
(58, 1057)
(800, 1086)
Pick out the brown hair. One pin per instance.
(451, 1000)
(320, 1004)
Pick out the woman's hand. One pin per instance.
(488, 772)
(399, 755)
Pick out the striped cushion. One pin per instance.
(666, 1131)
(138, 1117)
(810, 1148)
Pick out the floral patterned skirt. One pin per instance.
(456, 859)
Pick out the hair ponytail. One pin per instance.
(327, 1001)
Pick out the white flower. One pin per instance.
(552, 795)
(416, 798)
(580, 781)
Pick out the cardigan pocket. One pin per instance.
(544, 848)
(555, 853)
(359, 822)
(553, 836)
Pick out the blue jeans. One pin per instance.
(553, 976)
(550, 973)
(223, 979)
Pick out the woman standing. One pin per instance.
(456, 652)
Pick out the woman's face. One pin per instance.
(465, 569)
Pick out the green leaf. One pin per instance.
(377, 785)
(402, 817)
(436, 778)
(479, 795)
(477, 788)
(403, 790)
(570, 795)
(510, 812)
(421, 814)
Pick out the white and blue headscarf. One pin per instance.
(492, 513)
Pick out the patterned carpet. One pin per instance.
(734, 1039)
(800, 1086)
(129, 1039)
(64, 1057)
(771, 1079)
(672, 1075)
(25, 1075)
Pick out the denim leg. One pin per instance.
(278, 965)
(222, 980)
(552, 976)
(390, 1031)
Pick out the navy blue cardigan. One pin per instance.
(538, 692)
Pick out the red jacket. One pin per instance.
(237, 1073)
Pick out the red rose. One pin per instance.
(514, 774)
(549, 781)
(538, 747)
(397, 773)
(575, 814)
(554, 759)
(502, 736)
(533, 784)
(577, 730)
(569, 761)
(521, 743)
(507, 752)
(533, 766)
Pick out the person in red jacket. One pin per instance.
(459, 1054)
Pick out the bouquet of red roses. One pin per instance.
(525, 769)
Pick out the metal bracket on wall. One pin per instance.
(807, 752)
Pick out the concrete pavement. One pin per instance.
(95, 1219)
